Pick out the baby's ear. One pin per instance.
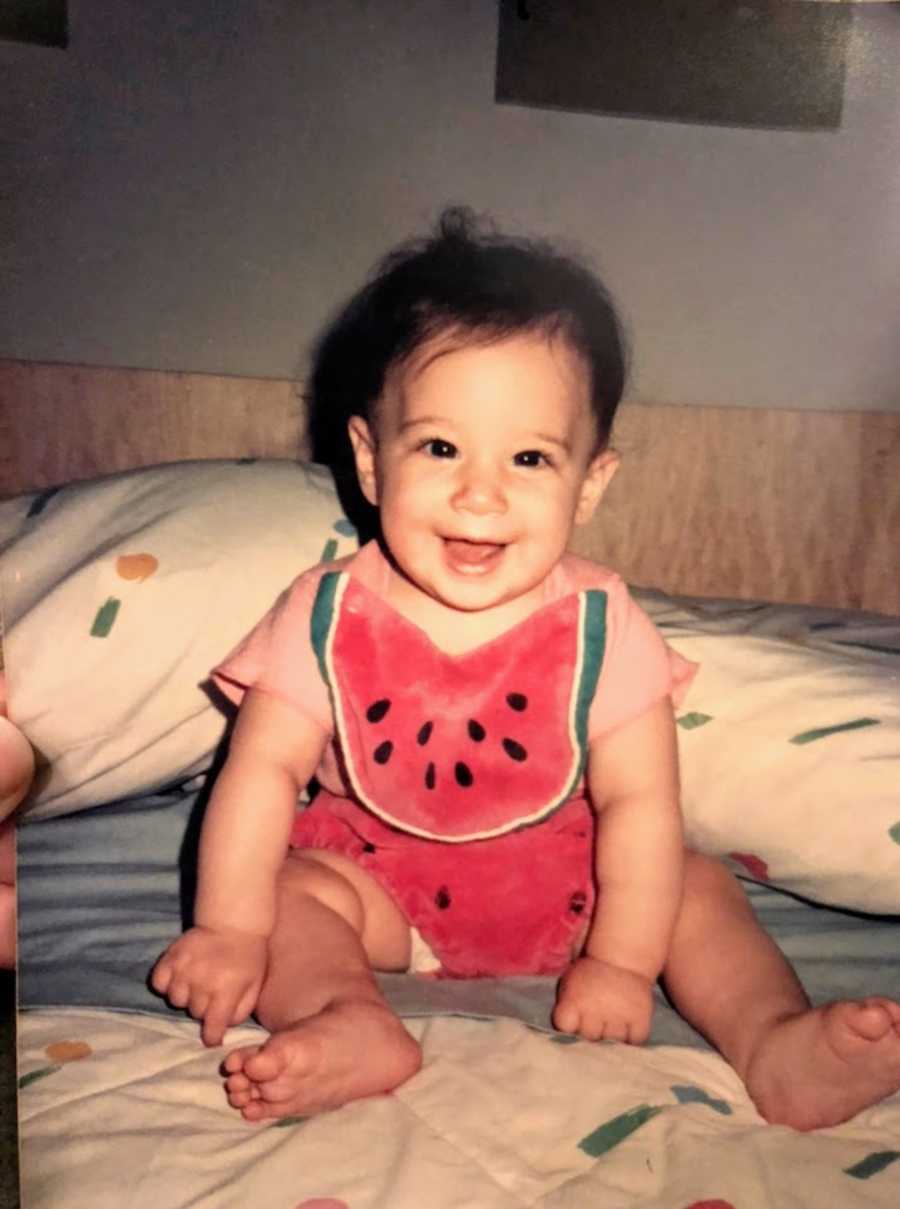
(596, 480)
(363, 441)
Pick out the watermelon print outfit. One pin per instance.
(457, 781)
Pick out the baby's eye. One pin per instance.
(436, 448)
(531, 457)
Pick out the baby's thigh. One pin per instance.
(338, 882)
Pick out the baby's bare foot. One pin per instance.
(352, 1048)
(823, 1066)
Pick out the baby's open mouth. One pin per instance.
(472, 556)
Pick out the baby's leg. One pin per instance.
(805, 1067)
(333, 1037)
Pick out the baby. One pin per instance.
(481, 392)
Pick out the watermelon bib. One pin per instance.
(458, 747)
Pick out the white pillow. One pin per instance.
(790, 746)
(120, 594)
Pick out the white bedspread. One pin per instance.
(123, 1109)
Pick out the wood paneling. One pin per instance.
(797, 506)
(64, 422)
(773, 505)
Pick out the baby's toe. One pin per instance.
(270, 1061)
(867, 1019)
(256, 1110)
(234, 1062)
(238, 1082)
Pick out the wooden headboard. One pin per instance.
(799, 506)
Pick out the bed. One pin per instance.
(142, 538)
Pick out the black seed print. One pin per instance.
(442, 899)
(367, 847)
(430, 777)
(463, 775)
(382, 752)
(476, 730)
(578, 902)
(424, 734)
(514, 750)
(377, 710)
(517, 701)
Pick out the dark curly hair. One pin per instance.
(470, 279)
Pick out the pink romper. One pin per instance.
(493, 886)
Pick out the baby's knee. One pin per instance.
(306, 874)
(706, 877)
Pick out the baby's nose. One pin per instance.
(480, 491)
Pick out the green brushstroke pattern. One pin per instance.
(106, 616)
(689, 1094)
(693, 720)
(872, 1164)
(34, 1075)
(611, 1133)
(823, 732)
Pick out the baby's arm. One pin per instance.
(633, 782)
(216, 968)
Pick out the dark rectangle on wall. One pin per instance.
(42, 22)
(778, 64)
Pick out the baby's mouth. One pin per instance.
(472, 557)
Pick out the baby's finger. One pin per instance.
(216, 1020)
(638, 1032)
(615, 1029)
(179, 992)
(198, 1003)
(594, 1028)
(161, 975)
(245, 1005)
(566, 1017)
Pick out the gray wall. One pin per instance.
(197, 185)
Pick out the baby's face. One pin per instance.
(482, 459)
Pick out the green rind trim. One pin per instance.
(591, 653)
(824, 732)
(322, 618)
(593, 650)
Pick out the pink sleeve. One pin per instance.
(639, 668)
(277, 655)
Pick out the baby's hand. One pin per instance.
(603, 1002)
(215, 974)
